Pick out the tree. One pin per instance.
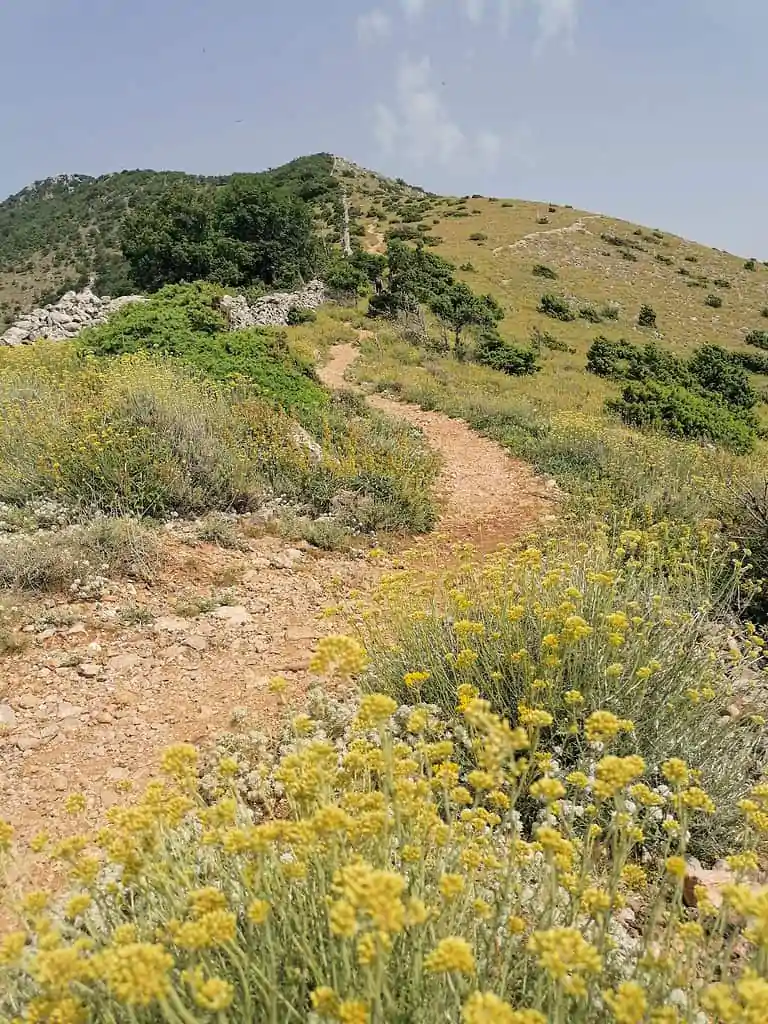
(268, 236)
(246, 232)
(459, 307)
(647, 316)
(169, 240)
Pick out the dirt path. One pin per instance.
(569, 229)
(487, 497)
(90, 701)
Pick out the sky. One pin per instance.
(651, 110)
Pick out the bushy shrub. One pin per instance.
(750, 265)
(757, 338)
(542, 270)
(666, 260)
(542, 219)
(721, 282)
(647, 316)
(628, 256)
(297, 316)
(543, 339)
(478, 236)
(682, 413)
(467, 267)
(610, 311)
(714, 301)
(556, 307)
(493, 351)
(764, 312)
(691, 259)
(590, 313)
(184, 321)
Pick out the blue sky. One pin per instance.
(653, 110)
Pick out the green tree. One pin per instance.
(458, 307)
(169, 240)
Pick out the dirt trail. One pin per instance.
(487, 497)
(569, 229)
(90, 702)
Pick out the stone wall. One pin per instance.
(77, 310)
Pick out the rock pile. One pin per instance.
(66, 318)
(271, 310)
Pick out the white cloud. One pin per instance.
(475, 10)
(373, 25)
(417, 122)
(413, 8)
(557, 18)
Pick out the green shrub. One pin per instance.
(493, 351)
(556, 307)
(467, 267)
(543, 339)
(764, 312)
(297, 316)
(677, 411)
(542, 270)
(478, 236)
(183, 321)
(691, 259)
(627, 255)
(590, 313)
(647, 316)
(714, 301)
(666, 260)
(610, 311)
(721, 282)
(750, 265)
(757, 338)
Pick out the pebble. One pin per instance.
(89, 670)
(196, 642)
(235, 615)
(7, 716)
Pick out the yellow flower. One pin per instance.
(353, 1011)
(451, 954)
(12, 949)
(466, 658)
(6, 835)
(573, 697)
(487, 1008)
(695, 799)
(602, 726)
(180, 762)
(212, 994)
(258, 911)
(547, 789)
(676, 867)
(480, 780)
(325, 1001)
(215, 928)
(516, 925)
(614, 670)
(417, 721)
(535, 718)
(74, 803)
(465, 694)
(340, 655)
(135, 974)
(634, 877)
(375, 710)
(451, 886)
(628, 1003)
(414, 679)
(612, 774)
(566, 956)
(675, 771)
(416, 912)
(204, 901)
(277, 684)
(78, 905)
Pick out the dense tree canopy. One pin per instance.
(245, 232)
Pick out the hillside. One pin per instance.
(58, 234)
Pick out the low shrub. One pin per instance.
(721, 282)
(297, 316)
(647, 316)
(617, 626)
(493, 351)
(714, 301)
(764, 312)
(382, 891)
(628, 256)
(543, 339)
(556, 307)
(610, 311)
(478, 236)
(750, 265)
(666, 260)
(757, 338)
(79, 558)
(542, 270)
(590, 313)
(467, 267)
(691, 259)
(682, 413)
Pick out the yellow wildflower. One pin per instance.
(566, 956)
(375, 710)
(676, 867)
(487, 1008)
(451, 954)
(602, 726)
(451, 886)
(353, 1011)
(325, 1001)
(135, 974)
(628, 1003)
(258, 911)
(675, 771)
(74, 803)
(547, 789)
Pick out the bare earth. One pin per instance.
(90, 702)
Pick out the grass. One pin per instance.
(74, 557)
(149, 435)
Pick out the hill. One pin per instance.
(61, 233)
